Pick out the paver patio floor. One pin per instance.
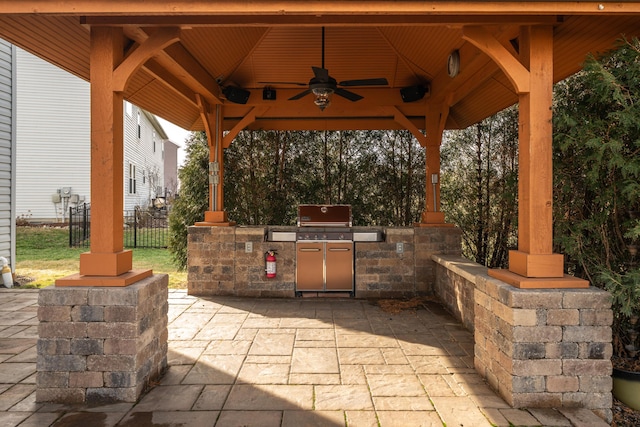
(286, 362)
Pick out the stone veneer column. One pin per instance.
(546, 347)
(101, 344)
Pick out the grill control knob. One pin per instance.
(341, 236)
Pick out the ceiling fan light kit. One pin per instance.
(323, 97)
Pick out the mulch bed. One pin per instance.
(624, 416)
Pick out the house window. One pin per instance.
(132, 178)
(154, 141)
(139, 126)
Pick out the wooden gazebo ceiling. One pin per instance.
(246, 49)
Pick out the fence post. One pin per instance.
(135, 228)
(70, 227)
(84, 223)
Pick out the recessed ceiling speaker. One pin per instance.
(413, 93)
(236, 95)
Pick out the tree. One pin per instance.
(597, 176)
(193, 200)
(479, 170)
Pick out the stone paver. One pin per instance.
(282, 363)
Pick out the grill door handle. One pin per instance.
(309, 249)
(339, 249)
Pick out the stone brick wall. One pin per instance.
(381, 271)
(430, 241)
(101, 344)
(538, 347)
(455, 287)
(218, 263)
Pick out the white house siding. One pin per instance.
(53, 138)
(171, 168)
(139, 152)
(54, 145)
(7, 158)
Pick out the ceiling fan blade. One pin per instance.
(365, 82)
(284, 83)
(348, 94)
(321, 74)
(300, 95)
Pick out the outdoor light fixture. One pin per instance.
(323, 96)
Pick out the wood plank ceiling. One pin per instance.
(253, 52)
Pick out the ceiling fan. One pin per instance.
(323, 86)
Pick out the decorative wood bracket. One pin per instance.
(510, 65)
(407, 124)
(155, 43)
(246, 121)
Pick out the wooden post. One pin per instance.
(534, 265)
(434, 123)
(107, 264)
(216, 215)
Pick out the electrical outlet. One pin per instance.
(248, 247)
(399, 248)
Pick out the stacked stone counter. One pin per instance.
(220, 263)
(101, 344)
(539, 348)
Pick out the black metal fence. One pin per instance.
(80, 225)
(142, 228)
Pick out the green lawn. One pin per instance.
(43, 255)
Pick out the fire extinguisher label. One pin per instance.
(271, 268)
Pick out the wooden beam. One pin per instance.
(330, 7)
(318, 20)
(510, 65)
(330, 123)
(154, 44)
(246, 121)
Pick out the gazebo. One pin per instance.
(225, 66)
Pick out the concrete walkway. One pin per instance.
(298, 362)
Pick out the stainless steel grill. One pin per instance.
(324, 249)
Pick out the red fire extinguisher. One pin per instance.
(270, 263)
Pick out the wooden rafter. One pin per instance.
(181, 64)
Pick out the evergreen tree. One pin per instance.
(193, 198)
(597, 174)
(479, 173)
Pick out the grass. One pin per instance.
(43, 255)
